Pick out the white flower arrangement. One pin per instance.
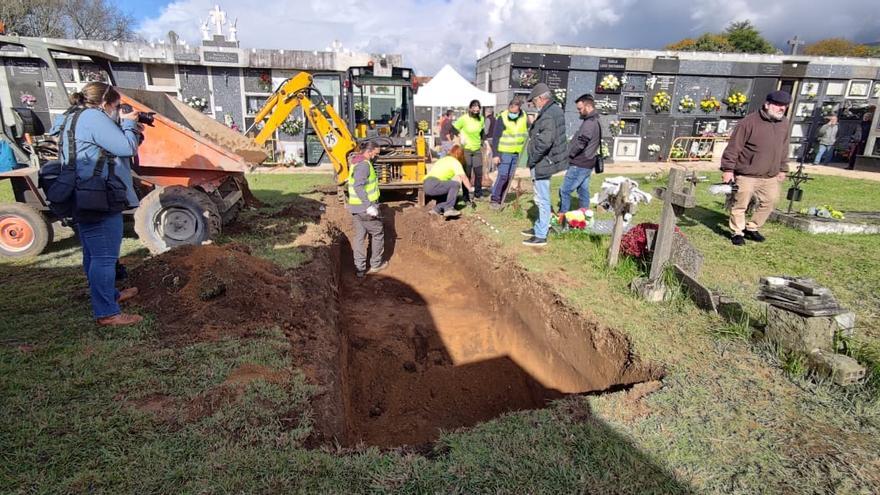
(653, 149)
(610, 82)
(196, 102)
(605, 106)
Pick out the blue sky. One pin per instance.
(431, 33)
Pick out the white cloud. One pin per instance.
(431, 33)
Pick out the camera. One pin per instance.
(145, 118)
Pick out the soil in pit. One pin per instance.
(420, 355)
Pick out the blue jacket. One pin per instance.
(95, 130)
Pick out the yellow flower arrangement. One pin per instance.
(736, 102)
(610, 82)
(710, 104)
(661, 102)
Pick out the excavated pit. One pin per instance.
(450, 335)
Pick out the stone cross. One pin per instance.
(621, 206)
(794, 43)
(677, 195)
(206, 30)
(233, 30)
(218, 17)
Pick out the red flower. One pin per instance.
(635, 242)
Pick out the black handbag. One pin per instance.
(599, 166)
(101, 194)
(57, 179)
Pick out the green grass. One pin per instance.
(84, 409)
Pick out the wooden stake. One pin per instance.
(619, 205)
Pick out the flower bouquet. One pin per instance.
(616, 126)
(196, 102)
(291, 127)
(686, 104)
(653, 149)
(528, 78)
(710, 104)
(736, 102)
(662, 102)
(265, 82)
(610, 83)
(28, 100)
(811, 90)
(824, 211)
(605, 106)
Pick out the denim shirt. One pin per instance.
(95, 131)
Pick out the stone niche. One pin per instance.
(194, 82)
(227, 93)
(698, 87)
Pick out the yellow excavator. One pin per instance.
(401, 164)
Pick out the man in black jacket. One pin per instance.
(548, 154)
(582, 151)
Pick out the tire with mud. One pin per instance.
(176, 216)
(24, 232)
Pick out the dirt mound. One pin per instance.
(200, 292)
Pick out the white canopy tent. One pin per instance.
(449, 89)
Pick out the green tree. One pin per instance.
(745, 38)
(709, 42)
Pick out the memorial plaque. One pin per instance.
(187, 57)
(632, 103)
(794, 69)
(525, 78)
(555, 79)
(630, 127)
(635, 83)
(581, 62)
(11, 48)
(533, 60)
(665, 83)
(705, 126)
(221, 57)
(769, 70)
(667, 65)
(557, 62)
(606, 105)
(612, 64)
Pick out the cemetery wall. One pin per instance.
(820, 86)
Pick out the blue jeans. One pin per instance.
(101, 241)
(576, 179)
(819, 154)
(542, 201)
(506, 170)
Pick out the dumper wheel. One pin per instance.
(23, 231)
(176, 216)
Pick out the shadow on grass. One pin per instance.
(715, 220)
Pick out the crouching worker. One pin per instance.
(363, 203)
(100, 141)
(444, 180)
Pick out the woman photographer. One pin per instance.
(102, 147)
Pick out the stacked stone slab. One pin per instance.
(804, 317)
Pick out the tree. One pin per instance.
(840, 47)
(745, 38)
(740, 37)
(86, 19)
(709, 42)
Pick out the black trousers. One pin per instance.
(473, 168)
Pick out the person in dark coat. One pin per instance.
(548, 154)
(582, 152)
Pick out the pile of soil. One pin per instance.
(200, 292)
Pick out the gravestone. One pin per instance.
(666, 65)
(227, 94)
(579, 83)
(581, 62)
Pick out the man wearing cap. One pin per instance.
(756, 158)
(548, 154)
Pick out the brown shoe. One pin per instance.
(120, 320)
(126, 294)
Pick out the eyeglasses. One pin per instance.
(106, 92)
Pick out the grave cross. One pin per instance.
(677, 195)
(794, 43)
(621, 206)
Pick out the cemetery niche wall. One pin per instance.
(646, 98)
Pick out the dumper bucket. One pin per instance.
(184, 142)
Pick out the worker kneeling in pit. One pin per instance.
(363, 203)
(445, 180)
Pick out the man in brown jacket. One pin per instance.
(757, 158)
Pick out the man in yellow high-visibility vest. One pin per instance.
(363, 204)
(511, 129)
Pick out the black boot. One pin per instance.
(754, 235)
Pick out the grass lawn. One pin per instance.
(84, 409)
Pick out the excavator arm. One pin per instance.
(331, 130)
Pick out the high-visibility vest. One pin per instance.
(514, 135)
(371, 187)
